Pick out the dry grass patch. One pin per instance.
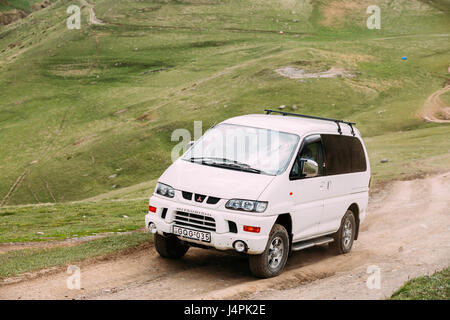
(74, 70)
(336, 13)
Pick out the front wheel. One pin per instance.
(344, 237)
(272, 261)
(170, 247)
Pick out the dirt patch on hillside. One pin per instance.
(148, 116)
(10, 16)
(74, 70)
(41, 5)
(406, 234)
(296, 73)
(336, 13)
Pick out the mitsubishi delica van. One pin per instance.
(264, 185)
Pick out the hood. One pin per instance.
(213, 181)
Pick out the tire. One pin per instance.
(170, 247)
(344, 237)
(265, 265)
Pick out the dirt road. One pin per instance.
(434, 109)
(406, 234)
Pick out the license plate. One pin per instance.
(192, 234)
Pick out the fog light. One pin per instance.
(152, 227)
(240, 246)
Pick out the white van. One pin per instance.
(264, 185)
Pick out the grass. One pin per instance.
(14, 263)
(445, 98)
(410, 153)
(61, 221)
(434, 287)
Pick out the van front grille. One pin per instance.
(199, 197)
(212, 200)
(184, 219)
(187, 195)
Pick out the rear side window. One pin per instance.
(343, 154)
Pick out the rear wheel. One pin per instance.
(170, 247)
(272, 261)
(344, 237)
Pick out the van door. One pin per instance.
(307, 191)
(346, 178)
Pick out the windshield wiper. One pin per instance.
(225, 163)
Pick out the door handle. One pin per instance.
(323, 186)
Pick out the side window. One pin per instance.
(343, 154)
(311, 150)
(359, 163)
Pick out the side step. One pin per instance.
(311, 243)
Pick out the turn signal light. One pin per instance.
(152, 209)
(252, 229)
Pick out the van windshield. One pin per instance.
(243, 148)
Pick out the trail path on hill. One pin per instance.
(406, 234)
(92, 16)
(434, 106)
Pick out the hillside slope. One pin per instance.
(85, 112)
(11, 11)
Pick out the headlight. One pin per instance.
(246, 205)
(165, 190)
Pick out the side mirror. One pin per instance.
(310, 168)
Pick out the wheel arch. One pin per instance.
(355, 209)
(285, 220)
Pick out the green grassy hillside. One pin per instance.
(78, 106)
(25, 5)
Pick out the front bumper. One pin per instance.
(222, 238)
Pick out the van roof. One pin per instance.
(297, 125)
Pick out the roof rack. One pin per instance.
(338, 122)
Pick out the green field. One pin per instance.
(434, 287)
(60, 221)
(88, 114)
